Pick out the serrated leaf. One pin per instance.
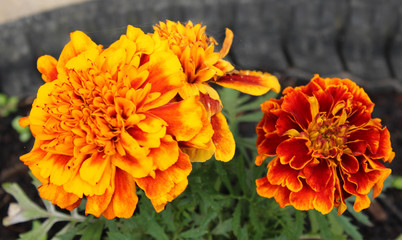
(39, 232)
(66, 233)
(223, 175)
(168, 219)
(223, 228)
(243, 234)
(256, 224)
(236, 220)
(156, 231)
(250, 117)
(117, 236)
(323, 225)
(359, 216)
(194, 233)
(335, 227)
(298, 226)
(349, 228)
(25, 210)
(93, 231)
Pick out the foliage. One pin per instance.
(220, 201)
(24, 132)
(8, 105)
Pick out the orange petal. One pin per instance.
(361, 202)
(199, 155)
(47, 66)
(227, 43)
(303, 199)
(222, 138)
(58, 196)
(136, 167)
(250, 82)
(161, 188)
(92, 168)
(81, 187)
(79, 43)
(165, 72)
(125, 199)
(183, 118)
(97, 204)
(266, 189)
(166, 154)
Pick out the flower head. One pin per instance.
(327, 147)
(202, 65)
(106, 122)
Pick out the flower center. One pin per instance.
(327, 136)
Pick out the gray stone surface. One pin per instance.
(357, 38)
(366, 36)
(259, 34)
(312, 35)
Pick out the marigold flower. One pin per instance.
(327, 147)
(105, 123)
(201, 65)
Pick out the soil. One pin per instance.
(385, 212)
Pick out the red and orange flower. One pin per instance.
(202, 65)
(106, 122)
(327, 147)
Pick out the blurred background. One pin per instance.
(293, 39)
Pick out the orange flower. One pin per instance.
(201, 65)
(104, 123)
(327, 147)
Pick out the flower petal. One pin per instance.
(222, 138)
(125, 199)
(47, 66)
(183, 118)
(295, 152)
(250, 82)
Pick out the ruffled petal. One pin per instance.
(222, 138)
(250, 82)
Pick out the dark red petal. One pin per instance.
(349, 163)
(295, 152)
(298, 106)
(279, 174)
(318, 176)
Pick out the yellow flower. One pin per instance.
(201, 65)
(106, 121)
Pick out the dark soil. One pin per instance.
(385, 212)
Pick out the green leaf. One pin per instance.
(93, 231)
(323, 225)
(336, 228)
(359, 216)
(349, 228)
(155, 230)
(236, 220)
(250, 117)
(298, 226)
(168, 219)
(118, 236)
(194, 233)
(257, 102)
(39, 232)
(25, 210)
(66, 233)
(222, 173)
(223, 228)
(243, 234)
